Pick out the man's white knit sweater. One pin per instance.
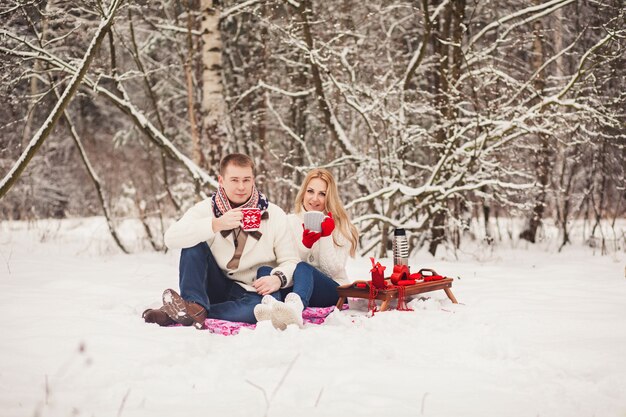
(324, 254)
(274, 248)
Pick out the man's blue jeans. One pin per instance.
(202, 281)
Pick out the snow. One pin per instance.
(536, 333)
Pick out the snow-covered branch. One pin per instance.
(125, 104)
(538, 10)
(44, 131)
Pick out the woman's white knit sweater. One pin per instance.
(324, 254)
(274, 248)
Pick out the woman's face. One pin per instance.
(315, 195)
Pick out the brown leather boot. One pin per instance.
(158, 316)
(181, 311)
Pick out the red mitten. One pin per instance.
(400, 273)
(426, 274)
(309, 237)
(328, 225)
(432, 278)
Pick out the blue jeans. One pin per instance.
(202, 281)
(315, 288)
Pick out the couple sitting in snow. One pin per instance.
(272, 273)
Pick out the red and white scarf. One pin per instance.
(221, 203)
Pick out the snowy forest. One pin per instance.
(438, 116)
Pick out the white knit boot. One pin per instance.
(263, 311)
(289, 312)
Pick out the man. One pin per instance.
(224, 270)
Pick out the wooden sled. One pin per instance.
(358, 290)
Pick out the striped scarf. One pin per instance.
(221, 204)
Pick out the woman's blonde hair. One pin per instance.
(333, 204)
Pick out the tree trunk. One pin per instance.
(196, 152)
(565, 187)
(213, 106)
(448, 28)
(543, 171)
(306, 12)
(543, 155)
(437, 231)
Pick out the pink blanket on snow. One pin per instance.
(314, 315)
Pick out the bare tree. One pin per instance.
(426, 111)
(44, 131)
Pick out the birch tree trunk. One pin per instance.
(213, 106)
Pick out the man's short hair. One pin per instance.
(237, 159)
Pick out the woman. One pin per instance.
(324, 253)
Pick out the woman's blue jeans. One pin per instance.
(315, 288)
(202, 281)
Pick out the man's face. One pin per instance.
(237, 182)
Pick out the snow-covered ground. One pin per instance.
(536, 333)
